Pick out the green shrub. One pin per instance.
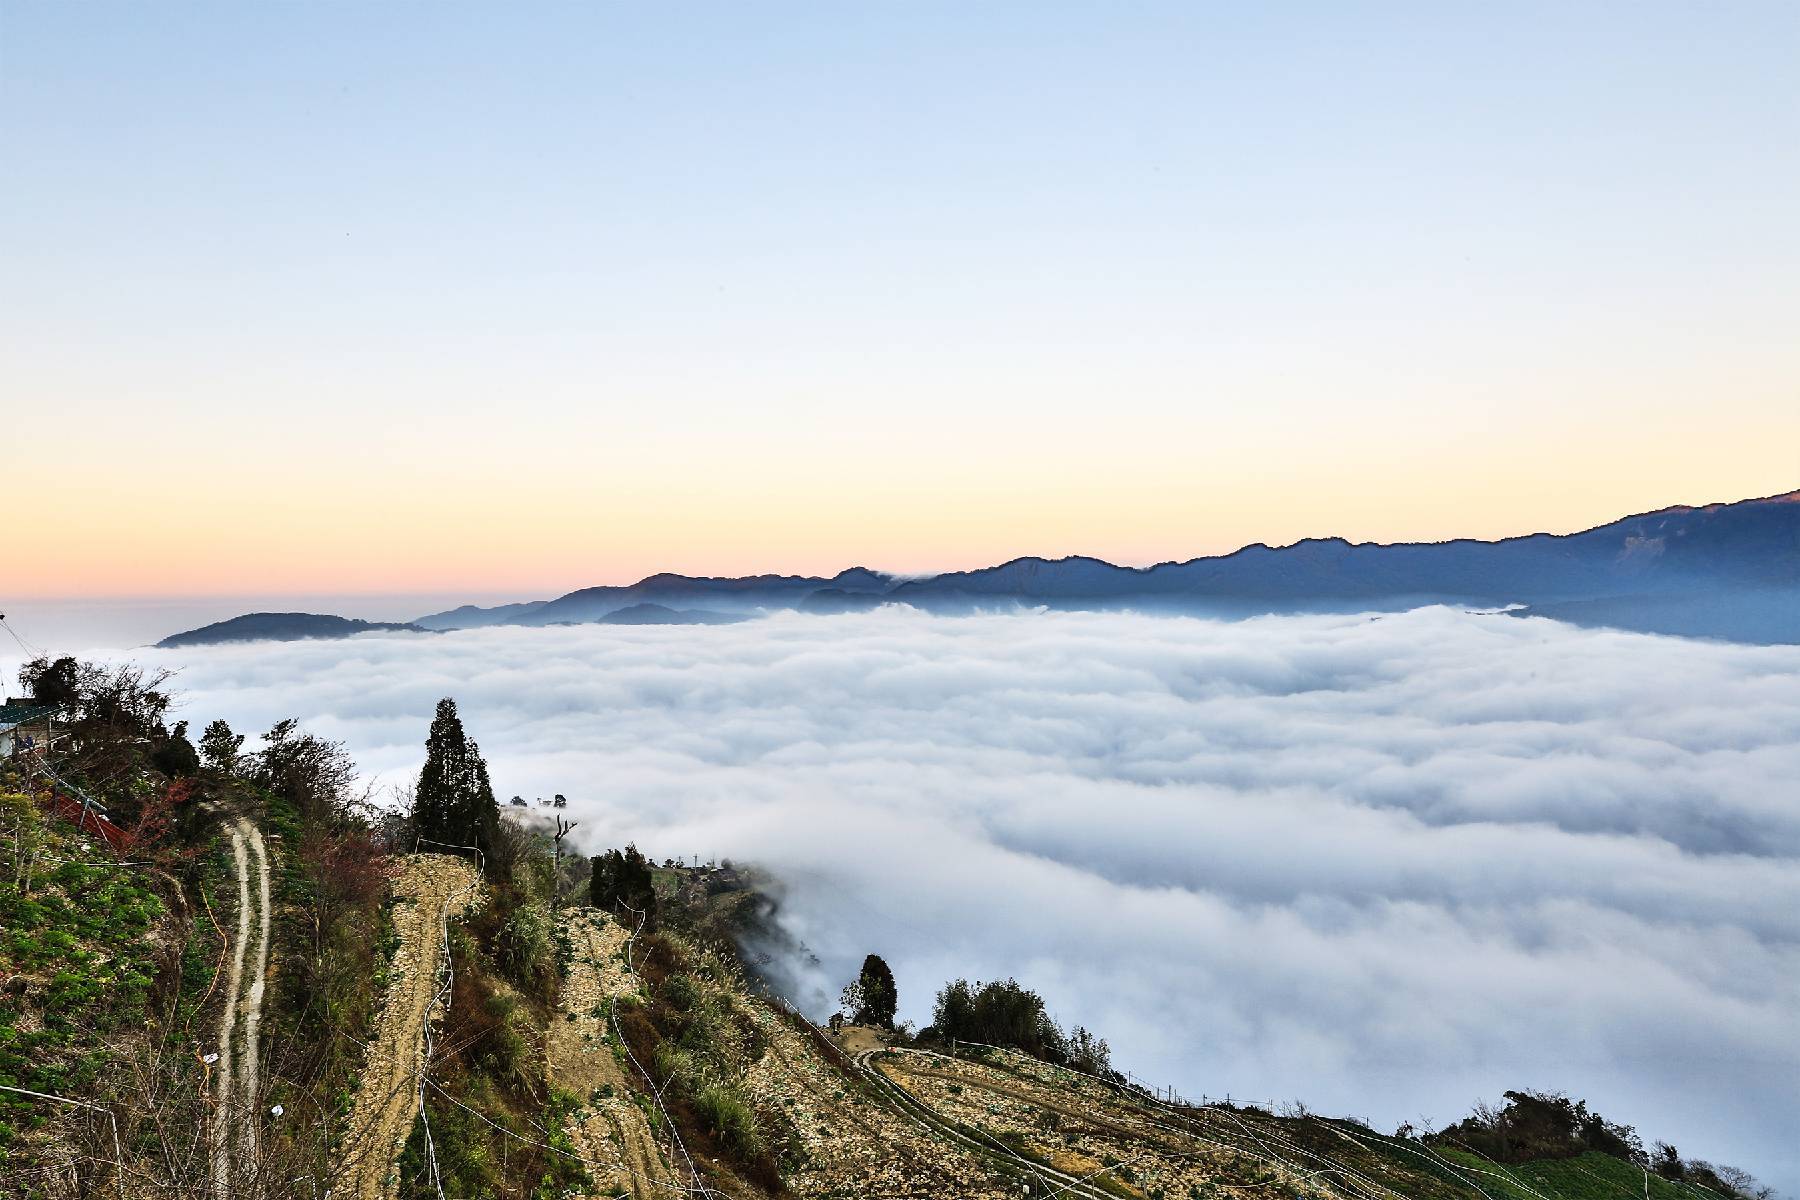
(729, 1119)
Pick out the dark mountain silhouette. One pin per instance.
(1753, 544)
(837, 600)
(745, 595)
(279, 627)
(470, 616)
(660, 614)
(1718, 570)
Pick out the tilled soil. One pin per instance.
(429, 890)
(1081, 1129)
(852, 1146)
(609, 1130)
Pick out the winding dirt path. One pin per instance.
(224, 1078)
(429, 891)
(250, 1074)
(610, 1128)
(237, 1079)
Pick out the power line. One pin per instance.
(33, 651)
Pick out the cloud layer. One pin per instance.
(1385, 865)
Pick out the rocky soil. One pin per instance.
(851, 1145)
(429, 890)
(610, 1130)
(1086, 1129)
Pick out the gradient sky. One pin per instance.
(519, 298)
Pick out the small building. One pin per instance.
(26, 726)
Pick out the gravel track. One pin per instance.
(430, 890)
(250, 1076)
(611, 1129)
(237, 1079)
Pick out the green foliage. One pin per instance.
(1088, 1052)
(564, 1174)
(219, 747)
(1588, 1176)
(312, 776)
(1001, 1013)
(872, 997)
(681, 993)
(1540, 1125)
(729, 1118)
(467, 1161)
(523, 950)
(51, 681)
(76, 950)
(174, 755)
(454, 802)
(623, 879)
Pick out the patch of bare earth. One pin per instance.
(1085, 1128)
(610, 1131)
(429, 890)
(852, 1145)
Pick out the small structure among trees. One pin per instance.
(26, 725)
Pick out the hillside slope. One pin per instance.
(280, 627)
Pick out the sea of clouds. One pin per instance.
(1386, 865)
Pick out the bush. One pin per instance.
(524, 950)
(1542, 1125)
(729, 1119)
(622, 879)
(1001, 1014)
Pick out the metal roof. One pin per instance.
(23, 712)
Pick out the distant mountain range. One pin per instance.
(280, 627)
(1720, 570)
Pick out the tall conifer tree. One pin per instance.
(454, 802)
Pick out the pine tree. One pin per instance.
(454, 802)
(219, 747)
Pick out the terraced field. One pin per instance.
(1082, 1128)
(852, 1144)
(610, 1129)
(1125, 1143)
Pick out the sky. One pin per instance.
(1387, 867)
(508, 300)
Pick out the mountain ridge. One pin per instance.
(281, 627)
(1735, 566)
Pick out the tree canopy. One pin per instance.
(1001, 1013)
(871, 998)
(622, 879)
(454, 802)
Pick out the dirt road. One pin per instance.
(610, 1128)
(430, 891)
(237, 1079)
